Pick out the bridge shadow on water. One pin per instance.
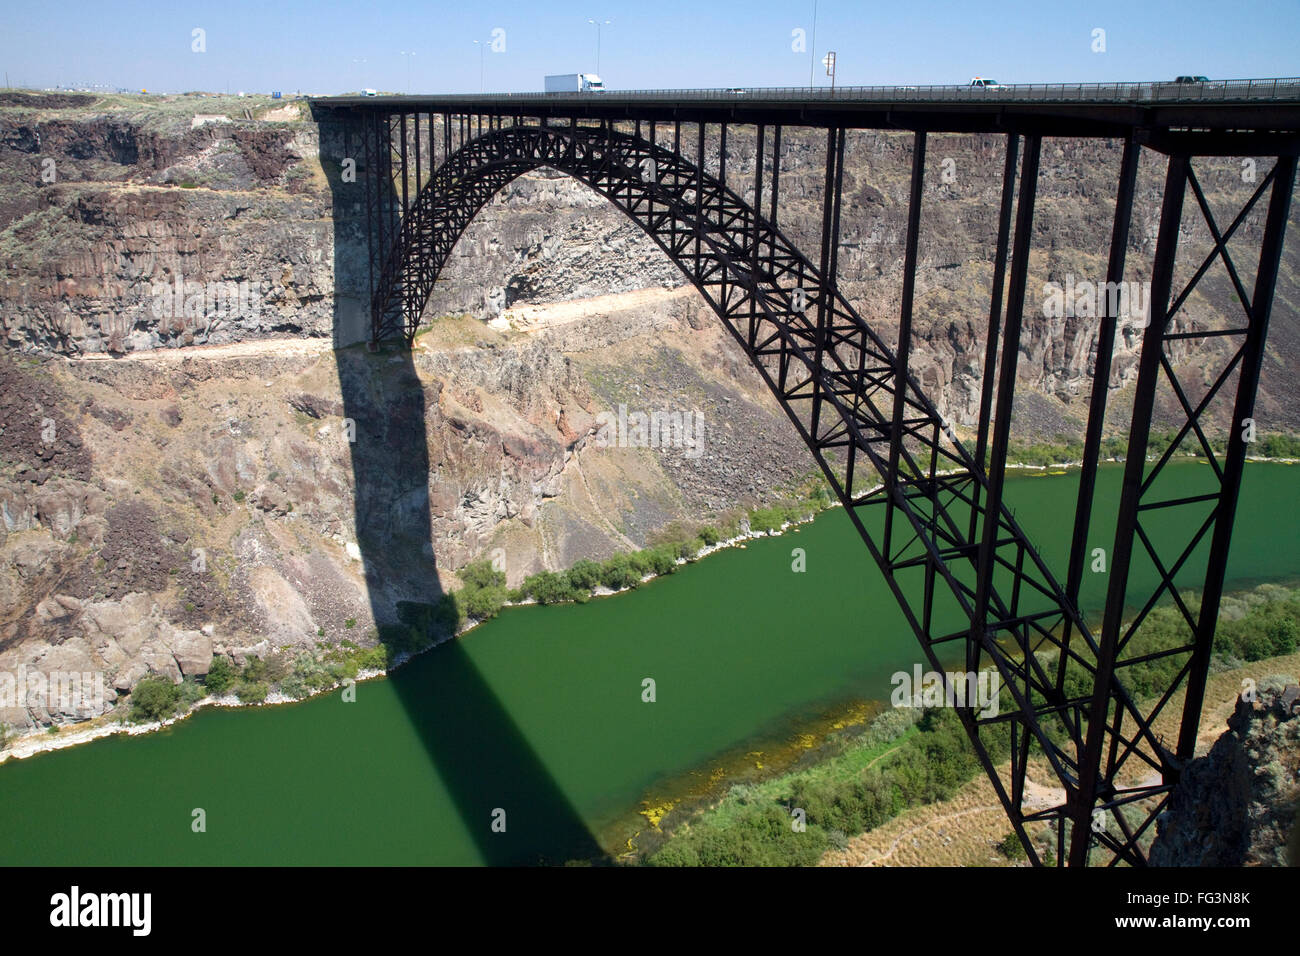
(476, 747)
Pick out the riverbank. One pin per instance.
(545, 714)
(351, 659)
(858, 775)
(970, 828)
(42, 741)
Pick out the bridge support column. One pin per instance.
(995, 318)
(1252, 357)
(829, 256)
(1110, 745)
(903, 352)
(1100, 388)
(982, 634)
(1101, 370)
(1121, 556)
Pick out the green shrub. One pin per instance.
(1276, 446)
(294, 686)
(548, 587)
(191, 692)
(373, 659)
(481, 574)
(482, 595)
(220, 677)
(1285, 635)
(584, 576)
(448, 616)
(255, 669)
(675, 853)
(1011, 847)
(619, 572)
(660, 560)
(251, 693)
(1266, 630)
(770, 519)
(422, 623)
(482, 604)
(764, 836)
(154, 698)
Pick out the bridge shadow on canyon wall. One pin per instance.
(476, 747)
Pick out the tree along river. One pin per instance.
(535, 721)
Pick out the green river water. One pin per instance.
(539, 712)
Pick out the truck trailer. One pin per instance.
(574, 83)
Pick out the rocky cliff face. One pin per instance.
(172, 505)
(105, 212)
(1237, 805)
(107, 204)
(197, 502)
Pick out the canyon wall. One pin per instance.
(141, 195)
(179, 481)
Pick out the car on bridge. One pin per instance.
(984, 83)
(1183, 87)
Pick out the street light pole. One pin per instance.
(407, 56)
(479, 44)
(598, 24)
(812, 50)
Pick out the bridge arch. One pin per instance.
(833, 375)
(785, 311)
(916, 500)
(930, 512)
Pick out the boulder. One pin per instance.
(193, 652)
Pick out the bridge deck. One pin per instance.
(1261, 107)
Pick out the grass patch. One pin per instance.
(902, 762)
(905, 758)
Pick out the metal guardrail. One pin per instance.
(1281, 89)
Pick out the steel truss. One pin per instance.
(931, 512)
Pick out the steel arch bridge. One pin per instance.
(930, 510)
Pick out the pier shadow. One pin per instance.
(476, 747)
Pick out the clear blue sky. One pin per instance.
(318, 47)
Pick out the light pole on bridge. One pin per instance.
(598, 23)
(812, 51)
(480, 45)
(406, 55)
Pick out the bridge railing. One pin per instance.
(1231, 91)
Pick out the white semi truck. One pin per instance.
(574, 83)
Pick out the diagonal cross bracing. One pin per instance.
(931, 514)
